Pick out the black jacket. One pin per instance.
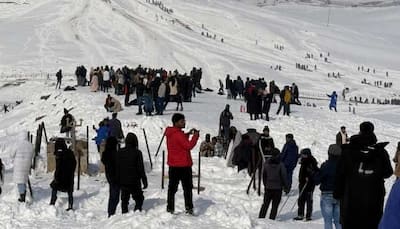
(326, 175)
(65, 170)
(115, 128)
(130, 167)
(359, 182)
(274, 174)
(109, 159)
(308, 170)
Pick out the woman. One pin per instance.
(64, 174)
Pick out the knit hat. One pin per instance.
(176, 117)
(306, 151)
(366, 128)
(266, 128)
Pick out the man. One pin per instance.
(180, 161)
(341, 136)
(289, 157)
(264, 141)
(59, 78)
(115, 127)
(225, 122)
(333, 101)
(207, 147)
(67, 122)
(360, 176)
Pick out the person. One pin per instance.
(360, 175)
(289, 157)
(287, 98)
(225, 122)
(180, 161)
(2, 171)
(130, 173)
(274, 180)
(282, 101)
(265, 140)
(391, 216)
(267, 100)
(330, 207)
(5, 108)
(22, 164)
(235, 138)
(112, 104)
(115, 127)
(308, 169)
(206, 147)
(102, 133)
(108, 158)
(341, 136)
(59, 78)
(67, 122)
(64, 173)
(332, 103)
(396, 160)
(218, 147)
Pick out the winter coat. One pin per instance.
(267, 100)
(162, 89)
(231, 148)
(22, 159)
(396, 160)
(225, 118)
(333, 100)
(308, 170)
(391, 216)
(65, 169)
(263, 141)
(206, 149)
(94, 84)
(342, 137)
(66, 121)
(274, 174)
(326, 175)
(179, 146)
(109, 160)
(115, 129)
(242, 154)
(290, 155)
(287, 97)
(335, 149)
(102, 134)
(359, 182)
(130, 167)
(116, 105)
(173, 88)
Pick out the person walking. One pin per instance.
(289, 157)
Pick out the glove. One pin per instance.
(144, 183)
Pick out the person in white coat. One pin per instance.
(22, 164)
(236, 138)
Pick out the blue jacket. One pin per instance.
(391, 216)
(290, 155)
(333, 99)
(326, 175)
(102, 134)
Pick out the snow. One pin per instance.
(41, 36)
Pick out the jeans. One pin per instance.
(159, 105)
(330, 209)
(113, 199)
(21, 188)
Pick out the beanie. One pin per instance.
(266, 128)
(366, 128)
(176, 117)
(306, 151)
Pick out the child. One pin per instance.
(308, 169)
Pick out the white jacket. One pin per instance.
(106, 76)
(231, 148)
(23, 159)
(162, 90)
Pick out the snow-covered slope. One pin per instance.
(41, 36)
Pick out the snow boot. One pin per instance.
(298, 218)
(189, 211)
(22, 197)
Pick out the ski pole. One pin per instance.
(283, 205)
(159, 146)
(301, 193)
(147, 145)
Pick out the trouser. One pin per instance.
(159, 105)
(58, 84)
(139, 101)
(305, 198)
(183, 174)
(286, 109)
(134, 190)
(273, 195)
(281, 104)
(330, 209)
(54, 197)
(289, 174)
(21, 188)
(113, 199)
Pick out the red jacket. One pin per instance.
(179, 147)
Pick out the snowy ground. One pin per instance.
(41, 36)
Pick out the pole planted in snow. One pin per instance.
(147, 146)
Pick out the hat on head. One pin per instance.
(266, 128)
(306, 151)
(176, 117)
(366, 128)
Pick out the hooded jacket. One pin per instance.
(179, 146)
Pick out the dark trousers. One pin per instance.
(136, 192)
(273, 195)
(286, 109)
(54, 197)
(305, 198)
(58, 84)
(183, 174)
(281, 104)
(113, 199)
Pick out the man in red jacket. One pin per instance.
(180, 161)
